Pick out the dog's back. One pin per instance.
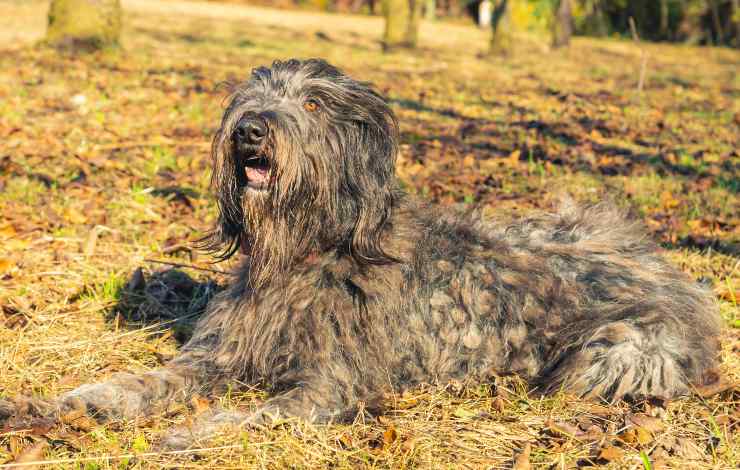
(579, 300)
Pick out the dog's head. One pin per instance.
(308, 152)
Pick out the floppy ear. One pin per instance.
(374, 180)
(226, 237)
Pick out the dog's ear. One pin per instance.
(374, 192)
(224, 240)
(226, 237)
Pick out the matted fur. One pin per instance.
(348, 287)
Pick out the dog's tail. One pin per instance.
(644, 328)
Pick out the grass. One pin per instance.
(104, 167)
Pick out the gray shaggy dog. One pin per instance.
(349, 288)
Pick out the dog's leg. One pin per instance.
(131, 395)
(204, 428)
(311, 402)
(625, 359)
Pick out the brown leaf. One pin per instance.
(499, 405)
(200, 405)
(646, 422)
(600, 410)
(522, 460)
(687, 449)
(611, 453)
(561, 429)
(74, 216)
(389, 436)
(715, 388)
(591, 433)
(7, 231)
(629, 436)
(346, 440)
(513, 158)
(668, 201)
(644, 436)
(32, 454)
(728, 290)
(6, 265)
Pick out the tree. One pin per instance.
(430, 10)
(402, 19)
(84, 24)
(501, 37)
(562, 25)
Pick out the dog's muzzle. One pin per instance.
(249, 137)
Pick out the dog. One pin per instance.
(348, 287)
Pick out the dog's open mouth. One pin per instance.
(257, 171)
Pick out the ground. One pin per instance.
(104, 171)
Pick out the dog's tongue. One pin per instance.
(256, 175)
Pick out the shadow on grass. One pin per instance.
(574, 134)
(169, 299)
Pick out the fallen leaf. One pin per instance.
(643, 435)
(687, 449)
(6, 265)
(668, 201)
(346, 440)
(7, 231)
(499, 405)
(513, 158)
(389, 436)
(74, 216)
(715, 388)
(629, 436)
(562, 429)
(200, 404)
(464, 413)
(600, 410)
(611, 453)
(648, 423)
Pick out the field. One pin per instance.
(104, 171)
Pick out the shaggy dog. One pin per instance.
(349, 288)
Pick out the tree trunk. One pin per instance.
(716, 22)
(735, 15)
(562, 26)
(402, 19)
(430, 10)
(501, 37)
(485, 12)
(664, 19)
(84, 24)
(412, 31)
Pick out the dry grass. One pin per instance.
(104, 165)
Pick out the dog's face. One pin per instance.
(304, 146)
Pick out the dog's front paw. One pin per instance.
(122, 397)
(203, 429)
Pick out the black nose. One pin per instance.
(250, 130)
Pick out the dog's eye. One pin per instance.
(311, 106)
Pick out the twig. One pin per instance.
(643, 65)
(183, 265)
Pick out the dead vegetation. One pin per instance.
(104, 168)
